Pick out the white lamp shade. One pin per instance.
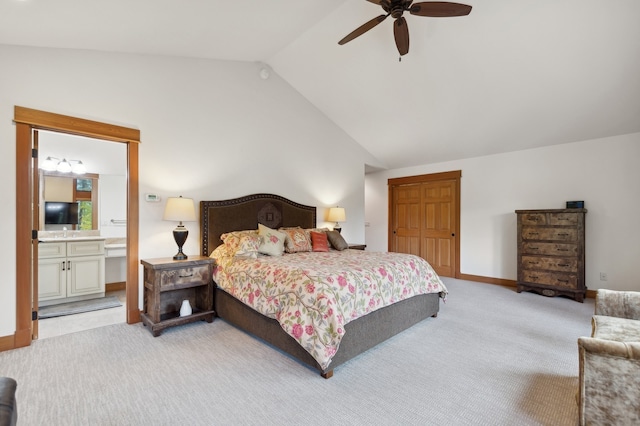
(48, 164)
(337, 214)
(64, 166)
(179, 209)
(78, 168)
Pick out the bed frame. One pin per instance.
(218, 217)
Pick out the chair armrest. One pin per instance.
(8, 409)
(621, 304)
(630, 350)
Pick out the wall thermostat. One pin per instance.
(152, 198)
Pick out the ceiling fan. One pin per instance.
(396, 8)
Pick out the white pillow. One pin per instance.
(271, 241)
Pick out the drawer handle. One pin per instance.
(532, 233)
(533, 248)
(563, 264)
(563, 235)
(64, 263)
(533, 218)
(563, 281)
(535, 277)
(186, 276)
(531, 262)
(563, 249)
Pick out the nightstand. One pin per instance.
(357, 246)
(168, 282)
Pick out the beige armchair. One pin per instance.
(609, 391)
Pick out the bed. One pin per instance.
(275, 212)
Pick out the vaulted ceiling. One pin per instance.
(511, 75)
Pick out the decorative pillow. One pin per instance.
(248, 246)
(220, 252)
(242, 243)
(308, 231)
(319, 241)
(297, 240)
(221, 256)
(336, 240)
(271, 241)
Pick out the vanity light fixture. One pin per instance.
(179, 209)
(53, 164)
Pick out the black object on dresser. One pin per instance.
(551, 252)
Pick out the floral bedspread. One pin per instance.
(314, 294)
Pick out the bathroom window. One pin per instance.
(84, 185)
(85, 215)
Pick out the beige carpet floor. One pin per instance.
(491, 357)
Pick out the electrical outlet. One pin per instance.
(603, 276)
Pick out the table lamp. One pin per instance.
(337, 214)
(179, 209)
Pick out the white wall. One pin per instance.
(112, 205)
(603, 172)
(210, 130)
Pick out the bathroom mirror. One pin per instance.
(58, 190)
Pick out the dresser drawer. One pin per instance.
(569, 219)
(555, 279)
(192, 276)
(560, 264)
(550, 249)
(534, 219)
(549, 234)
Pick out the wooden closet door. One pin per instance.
(407, 219)
(424, 219)
(437, 239)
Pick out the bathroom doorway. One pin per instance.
(98, 193)
(28, 123)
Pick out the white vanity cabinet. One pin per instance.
(70, 270)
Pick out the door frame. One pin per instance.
(455, 175)
(27, 120)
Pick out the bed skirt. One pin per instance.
(360, 335)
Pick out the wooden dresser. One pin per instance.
(551, 252)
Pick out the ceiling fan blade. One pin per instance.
(439, 9)
(363, 29)
(401, 33)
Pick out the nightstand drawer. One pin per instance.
(184, 277)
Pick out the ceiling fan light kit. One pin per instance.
(395, 8)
